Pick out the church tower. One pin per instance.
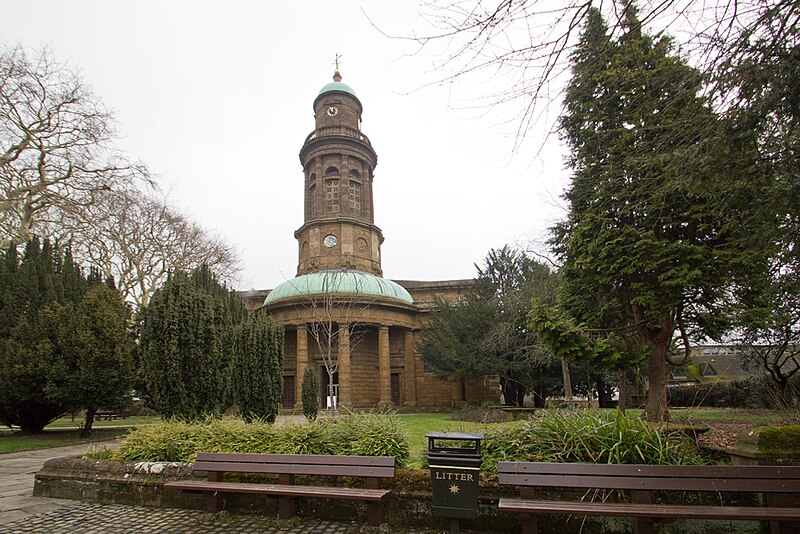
(338, 161)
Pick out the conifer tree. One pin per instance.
(32, 289)
(92, 364)
(186, 345)
(310, 394)
(257, 368)
(655, 237)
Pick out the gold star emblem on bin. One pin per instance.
(454, 489)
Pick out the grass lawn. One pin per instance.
(68, 422)
(418, 425)
(15, 441)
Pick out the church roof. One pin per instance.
(339, 282)
(337, 86)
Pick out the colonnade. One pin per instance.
(345, 373)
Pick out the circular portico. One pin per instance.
(356, 325)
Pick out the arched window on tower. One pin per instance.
(355, 192)
(332, 190)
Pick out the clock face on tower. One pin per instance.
(329, 241)
(332, 111)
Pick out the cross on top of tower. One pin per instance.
(337, 76)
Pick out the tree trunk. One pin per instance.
(567, 380)
(622, 403)
(656, 407)
(86, 431)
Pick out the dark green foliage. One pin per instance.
(257, 368)
(310, 394)
(756, 392)
(34, 291)
(93, 364)
(661, 223)
(352, 434)
(586, 437)
(186, 345)
(486, 333)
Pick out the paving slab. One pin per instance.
(90, 517)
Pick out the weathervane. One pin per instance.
(336, 60)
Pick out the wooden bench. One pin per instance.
(286, 466)
(776, 483)
(109, 416)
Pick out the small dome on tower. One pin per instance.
(337, 86)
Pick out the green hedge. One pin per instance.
(554, 437)
(353, 434)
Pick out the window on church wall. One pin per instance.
(355, 196)
(354, 191)
(332, 195)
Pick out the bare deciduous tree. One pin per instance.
(340, 304)
(518, 51)
(139, 239)
(61, 178)
(55, 151)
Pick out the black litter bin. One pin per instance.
(454, 459)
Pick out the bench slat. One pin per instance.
(358, 494)
(686, 483)
(649, 510)
(297, 469)
(652, 471)
(310, 459)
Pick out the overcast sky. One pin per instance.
(216, 98)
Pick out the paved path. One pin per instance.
(20, 512)
(17, 470)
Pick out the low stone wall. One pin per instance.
(141, 484)
(410, 504)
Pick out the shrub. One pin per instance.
(371, 434)
(586, 437)
(257, 368)
(310, 394)
(753, 392)
(353, 434)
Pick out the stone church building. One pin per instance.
(339, 309)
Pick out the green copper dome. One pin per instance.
(337, 86)
(344, 282)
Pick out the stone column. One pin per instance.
(344, 365)
(302, 363)
(410, 369)
(384, 368)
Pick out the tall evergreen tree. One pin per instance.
(92, 364)
(30, 291)
(310, 394)
(657, 233)
(186, 345)
(257, 368)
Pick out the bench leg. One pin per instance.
(644, 525)
(529, 524)
(287, 507)
(783, 527)
(374, 514)
(214, 501)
